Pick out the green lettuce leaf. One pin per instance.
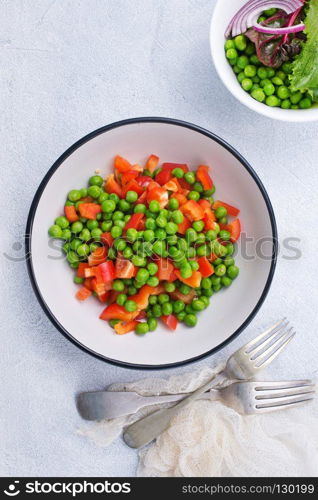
(305, 67)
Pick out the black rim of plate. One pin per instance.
(71, 150)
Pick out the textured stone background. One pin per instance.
(67, 68)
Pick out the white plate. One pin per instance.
(230, 310)
(222, 15)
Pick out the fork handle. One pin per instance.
(148, 428)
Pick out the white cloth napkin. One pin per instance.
(208, 439)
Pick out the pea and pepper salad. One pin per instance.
(272, 47)
(150, 242)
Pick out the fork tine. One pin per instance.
(285, 402)
(277, 334)
(270, 354)
(266, 386)
(264, 334)
(285, 393)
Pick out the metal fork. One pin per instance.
(244, 364)
(244, 397)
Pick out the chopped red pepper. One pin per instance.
(83, 293)
(121, 164)
(170, 321)
(98, 256)
(81, 268)
(114, 311)
(143, 180)
(185, 224)
(107, 270)
(202, 175)
(187, 299)
(205, 268)
(124, 268)
(128, 176)
(159, 194)
(132, 186)
(172, 166)
(134, 221)
(70, 213)
(209, 219)
(122, 328)
(234, 228)
(112, 186)
(230, 209)
(152, 163)
(192, 210)
(194, 281)
(88, 283)
(142, 297)
(107, 238)
(182, 199)
(89, 210)
(172, 185)
(165, 268)
(142, 198)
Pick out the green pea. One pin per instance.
(250, 70)
(220, 212)
(172, 239)
(231, 53)
(181, 316)
(78, 280)
(96, 233)
(166, 309)
(225, 235)
(242, 61)
(153, 281)
(66, 234)
(152, 268)
(226, 281)
(191, 235)
(287, 67)
(202, 251)
(220, 270)
(258, 95)
(277, 81)
(185, 289)
(66, 247)
(255, 60)
(154, 206)
(229, 44)
(296, 97)
(112, 254)
(118, 215)
(121, 299)
(163, 298)
(262, 73)
(247, 84)
(159, 247)
(138, 261)
(286, 104)
(194, 265)
(250, 49)
(76, 227)
(190, 320)
(103, 197)
(272, 101)
(156, 310)
(74, 195)
(62, 222)
(305, 103)
(153, 300)
(240, 42)
(120, 245)
(171, 228)
(131, 234)
(177, 216)
(178, 172)
(131, 196)
(194, 195)
(127, 253)
(85, 234)
(283, 92)
(229, 249)
(96, 180)
(152, 324)
(118, 285)
(190, 177)
(142, 328)
(207, 292)
(140, 208)
(269, 89)
(198, 225)
(169, 287)
(228, 261)
(241, 76)
(94, 191)
(173, 204)
(197, 186)
(72, 257)
(131, 290)
(108, 206)
(232, 272)
(186, 271)
(197, 305)
(206, 283)
(142, 275)
(55, 231)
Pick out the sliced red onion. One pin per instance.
(247, 16)
(279, 31)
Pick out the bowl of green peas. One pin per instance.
(261, 83)
(134, 316)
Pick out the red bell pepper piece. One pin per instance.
(88, 283)
(194, 281)
(121, 164)
(128, 176)
(187, 299)
(209, 219)
(83, 293)
(172, 185)
(124, 268)
(142, 297)
(87, 199)
(192, 210)
(152, 163)
(202, 175)
(184, 184)
(142, 315)
(132, 186)
(112, 186)
(103, 297)
(230, 209)
(107, 271)
(172, 166)
(107, 239)
(234, 228)
(182, 199)
(114, 311)
(113, 296)
(89, 210)
(159, 194)
(185, 224)
(173, 277)
(170, 321)
(143, 180)
(70, 213)
(81, 268)
(165, 268)
(142, 198)
(205, 268)
(98, 256)
(163, 176)
(134, 221)
(122, 328)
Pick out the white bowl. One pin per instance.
(222, 15)
(230, 310)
